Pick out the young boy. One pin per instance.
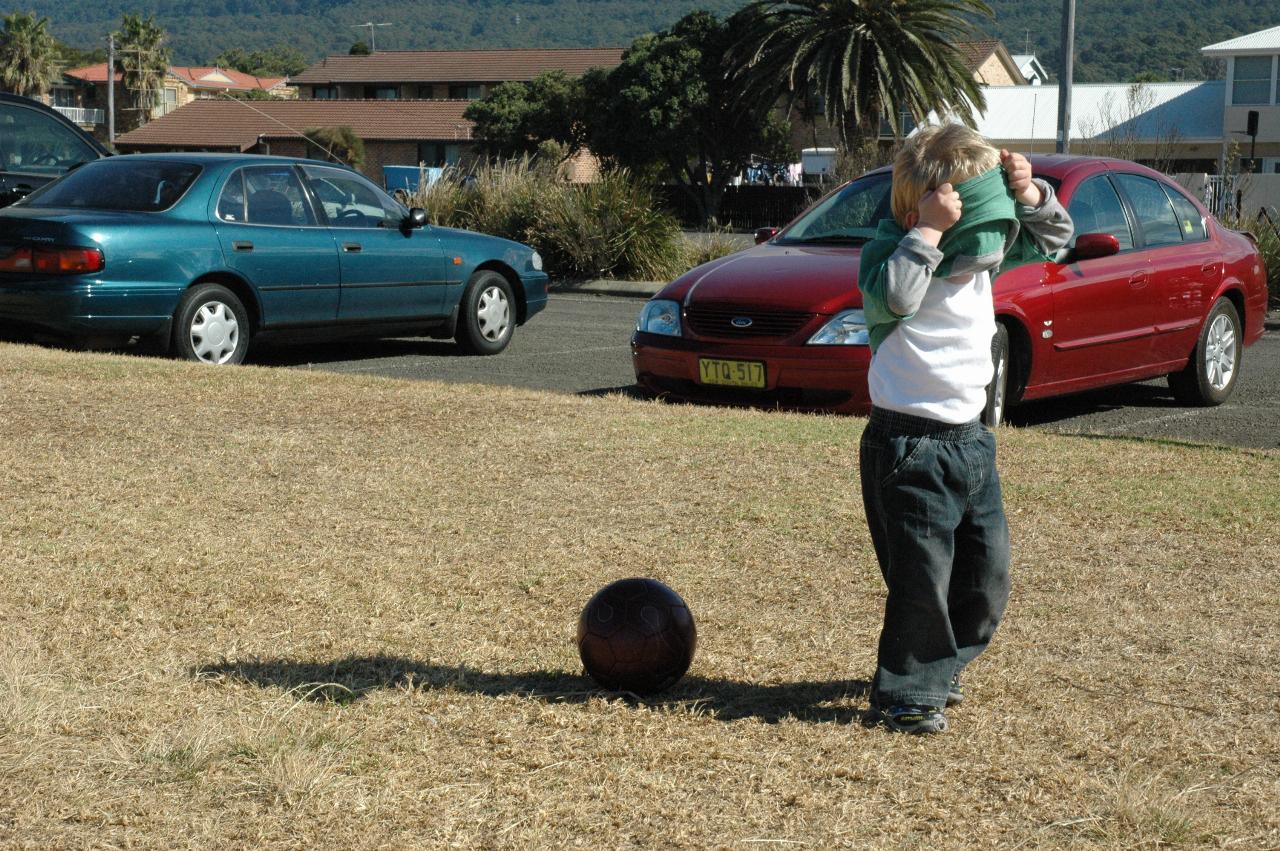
(929, 484)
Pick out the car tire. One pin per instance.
(211, 326)
(1211, 374)
(998, 389)
(486, 315)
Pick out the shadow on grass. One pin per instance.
(350, 679)
(1133, 396)
(288, 351)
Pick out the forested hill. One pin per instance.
(1115, 39)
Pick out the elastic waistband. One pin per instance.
(888, 422)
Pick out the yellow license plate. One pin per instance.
(735, 373)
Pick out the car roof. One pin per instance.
(1060, 166)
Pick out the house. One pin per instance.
(403, 132)
(1252, 62)
(81, 93)
(1031, 69)
(441, 74)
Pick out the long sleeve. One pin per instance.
(1048, 224)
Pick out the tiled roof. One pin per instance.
(226, 123)
(457, 66)
(198, 78)
(92, 73)
(222, 78)
(1263, 40)
(975, 53)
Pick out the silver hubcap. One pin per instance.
(1220, 353)
(214, 333)
(493, 313)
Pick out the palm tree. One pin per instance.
(337, 144)
(144, 62)
(28, 55)
(865, 59)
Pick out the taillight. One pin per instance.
(51, 260)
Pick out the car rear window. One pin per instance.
(147, 186)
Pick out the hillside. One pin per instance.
(1115, 40)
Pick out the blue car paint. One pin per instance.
(151, 259)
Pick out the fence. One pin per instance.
(80, 115)
(744, 207)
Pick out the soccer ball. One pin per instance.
(636, 635)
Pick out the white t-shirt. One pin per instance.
(937, 364)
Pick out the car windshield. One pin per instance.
(34, 143)
(847, 217)
(119, 183)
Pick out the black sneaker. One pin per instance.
(955, 692)
(915, 719)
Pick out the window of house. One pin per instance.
(438, 154)
(325, 93)
(427, 92)
(465, 91)
(1251, 83)
(381, 92)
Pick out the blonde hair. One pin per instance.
(950, 153)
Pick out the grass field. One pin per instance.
(252, 607)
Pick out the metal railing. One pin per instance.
(81, 115)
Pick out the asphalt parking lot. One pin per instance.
(579, 344)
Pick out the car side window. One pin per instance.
(1095, 208)
(34, 143)
(1189, 218)
(350, 202)
(1152, 207)
(231, 202)
(273, 196)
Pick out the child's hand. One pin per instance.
(939, 209)
(1019, 171)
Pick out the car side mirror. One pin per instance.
(1090, 246)
(765, 234)
(417, 218)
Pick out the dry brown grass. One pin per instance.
(247, 607)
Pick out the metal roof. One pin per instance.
(1259, 42)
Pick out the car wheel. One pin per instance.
(487, 314)
(997, 390)
(1215, 364)
(211, 326)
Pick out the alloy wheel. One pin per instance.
(1220, 352)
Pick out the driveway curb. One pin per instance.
(604, 286)
(1272, 320)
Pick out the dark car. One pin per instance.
(204, 252)
(1151, 285)
(37, 145)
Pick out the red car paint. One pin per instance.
(1072, 326)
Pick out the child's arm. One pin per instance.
(1037, 207)
(910, 268)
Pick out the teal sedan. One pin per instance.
(205, 253)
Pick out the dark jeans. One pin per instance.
(933, 504)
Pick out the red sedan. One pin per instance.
(1151, 285)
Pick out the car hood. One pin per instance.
(812, 279)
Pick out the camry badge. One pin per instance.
(740, 322)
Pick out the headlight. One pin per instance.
(846, 328)
(535, 260)
(660, 316)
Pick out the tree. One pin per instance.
(337, 144)
(144, 61)
(674, 105)
(866, 59)
(515, 119)
(28, 55)
(360, 48)
(278, 61)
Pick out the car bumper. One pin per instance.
(79, 308)
(535, 292)
(809, 378)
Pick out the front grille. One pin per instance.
(718, 322)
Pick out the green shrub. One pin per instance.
(1267, 233)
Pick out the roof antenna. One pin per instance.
(247, 105)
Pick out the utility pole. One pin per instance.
(1064, 78)
(373, 37)
(111, 89)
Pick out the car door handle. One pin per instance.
(1138, 280)
(353, 247)
(242, 245)
(1209, 268)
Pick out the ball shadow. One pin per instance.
(350, 679)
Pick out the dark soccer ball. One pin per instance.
(636, 635)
